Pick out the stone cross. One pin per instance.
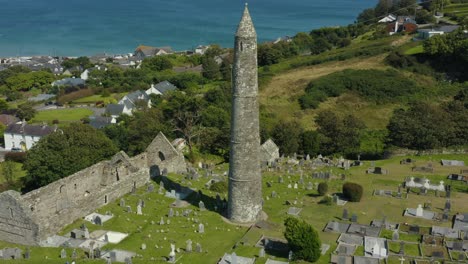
(172, 254)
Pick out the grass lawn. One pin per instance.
(460, 10)
(415, 50)
(62, 115)
(18, 172)
(95, 98)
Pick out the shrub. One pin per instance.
(322, 188)
(219, 187)
(16, 156)
(302, 238)
(326, 200)
(352, 191)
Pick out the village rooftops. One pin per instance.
(30, 130)
(165, 87)
(115, 109)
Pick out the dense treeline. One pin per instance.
(401, 7)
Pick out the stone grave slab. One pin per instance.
(104, 218)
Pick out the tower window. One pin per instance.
(161, 156)
(242, 46)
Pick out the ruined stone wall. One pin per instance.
(162, 155)
(16, 223)
(34, 216)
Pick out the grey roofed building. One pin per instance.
(29, 130)
(130, 99)
(365, 260)
(41, 97)
(115, 109)
(143, 51)
(165, 86)
(99, 122)
(69, 82)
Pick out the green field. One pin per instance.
(459, 10)
(220, 237)
(415, 50)
(62, 115)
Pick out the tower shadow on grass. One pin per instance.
(194, 198)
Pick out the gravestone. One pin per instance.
(128, 260)
(122, 202)
(172, 255)
(161, 222)
(273, 194)
(448, 205)
(139, 212)
(354, 218)
(74, 254)
(419, 211)
(97, 253)
(150, 188)
(290, 255)
(268, 184)
(295, 185)
(201, 228)
(445, 216)
(234, 258)
(457, 245)
(129, 209)
(402, 248)
(188, 246)
(97, 220)
(63, 253)
(345, 215)
(280, 179)
(289, 186)
(198, 248)
(171, 212)
(261, 253)
(27, 254)
(396, 235)
(143, 246)
(310, 186)
(201, 205)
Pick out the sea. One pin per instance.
(89, 27)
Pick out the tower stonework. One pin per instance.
(245, 183)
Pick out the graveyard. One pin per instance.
(141, 226)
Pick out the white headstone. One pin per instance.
(419, 210)
(295, 185)
(139, 210)
(376, 250)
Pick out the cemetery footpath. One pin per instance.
(153, 219)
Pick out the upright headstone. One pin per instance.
(27, 253)
(448, 205)
(402, 248)
(345, 214)
(198, 248)
(310, 186)
(97, 252)
(74, 254)
(161, 222)
(201, 228)
(261, 253)
(122, 202)
(354, 218)
(129, 209)
(150, 188)
(97, 220)
(280, 179)
(172, 254)
(396, 235)
(201, 205)
(290, 255)
(63, 253)
(128, 260)
(419, 211)
(139, 212)
(171, 212)
(188, 246)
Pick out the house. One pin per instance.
(99, 122)
(143, 51)
(115, 110)
(131, 99)
(388, 18)
(427, 33)
(161, 88)
(23, 136)
(69, 82)
(402, 24)
(201, 49)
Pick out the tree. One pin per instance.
(367, 16)
(287, 136)
(25, 111)
(310, 143)
(267, 55)
(65, 152)
(303, 240)
(352, 191)
(322, 188)
(8, 170)
(80, 62)
(157, 63)
(210, 68)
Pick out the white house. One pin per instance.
(161, 88)
(23, 136)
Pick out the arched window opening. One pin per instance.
(161, 156)
(241, 46)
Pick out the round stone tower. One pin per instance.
(245, 182)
